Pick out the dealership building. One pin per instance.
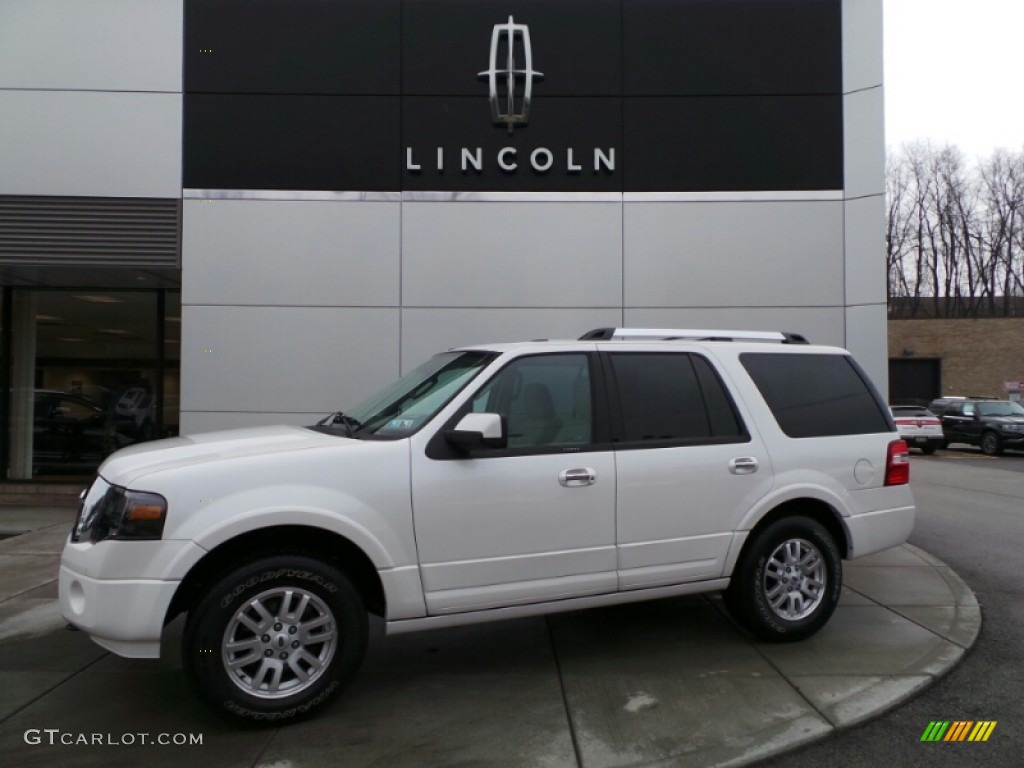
(220, 213)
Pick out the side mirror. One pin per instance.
(478, 430)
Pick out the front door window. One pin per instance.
(545, 399)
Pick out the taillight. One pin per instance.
(897, 463)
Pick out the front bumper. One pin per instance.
(125, 616)
(1012, 439)
(118, 592)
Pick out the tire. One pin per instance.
(991, 444)
(262, 608)
(761, 599)
(929, 448)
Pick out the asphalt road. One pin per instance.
(971, 515)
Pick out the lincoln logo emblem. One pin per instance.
(509, 33)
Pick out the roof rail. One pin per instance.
(693, 334)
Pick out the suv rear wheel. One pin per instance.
(276, 639)
(787, 582)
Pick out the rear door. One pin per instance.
(688, 467)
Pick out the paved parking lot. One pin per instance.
(670, 682)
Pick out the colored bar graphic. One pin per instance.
(982, 731)
(958, 730)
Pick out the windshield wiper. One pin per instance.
(338, 417)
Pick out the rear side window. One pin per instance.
(816, 395)
(672, 397)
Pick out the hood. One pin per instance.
(129, 464)
(1005, 419)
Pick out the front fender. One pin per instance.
(345, 516)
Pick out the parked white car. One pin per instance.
(919, 427)
(494, 481)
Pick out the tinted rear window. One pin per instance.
(816, 395)
(673, 397)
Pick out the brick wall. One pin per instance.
(977, 355)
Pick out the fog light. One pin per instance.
(76, 597)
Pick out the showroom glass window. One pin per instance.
(91, 371)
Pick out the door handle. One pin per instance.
(576, 478)
(745, 465)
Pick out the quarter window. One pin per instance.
(817, 395)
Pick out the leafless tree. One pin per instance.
(955, 234)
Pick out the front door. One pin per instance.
(959, 423)
(529, 523)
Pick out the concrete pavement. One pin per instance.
(667, 683)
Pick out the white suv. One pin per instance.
(494, 481)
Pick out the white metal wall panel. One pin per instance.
(102, 45)
(864, 132)
(511, 254)
(90, 144)
(821, 325)
(428, 331)
(865, 251)
(866, 338)
(862, 44)
(733, 254)
(284, 359)
(285, 253)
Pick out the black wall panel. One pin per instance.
(731, 143)
(293, 46)
(292, 142)
(732, 47)
(691, 95)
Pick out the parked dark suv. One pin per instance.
(939, 405)
(991, 424)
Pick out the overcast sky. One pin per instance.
(954, 72)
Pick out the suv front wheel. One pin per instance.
(991, 444)
(275, 640)
(787, 582)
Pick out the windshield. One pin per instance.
(403, 407)
(1000, 409)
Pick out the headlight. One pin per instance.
(111, 512)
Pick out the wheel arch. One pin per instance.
(815, 509)
(766, 611)
(322, 544)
